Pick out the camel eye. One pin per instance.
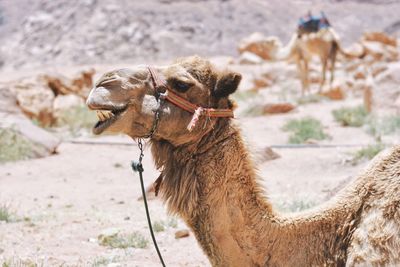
(182, 86)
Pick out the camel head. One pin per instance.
(128, 100)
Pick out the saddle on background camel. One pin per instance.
(310, 23)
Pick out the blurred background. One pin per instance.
(68, 33)
(68, 198)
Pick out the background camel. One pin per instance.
(209, 179)
(325, 44)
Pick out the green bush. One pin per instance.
(135, 240)
(6, 214)
(383, 126)
(356, 116)
(367, 153)
(158, 226)
(14, 146)
(304, 129)
(76, 118)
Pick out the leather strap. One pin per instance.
(197, 111)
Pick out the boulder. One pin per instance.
(264, 47)
(335, 93)
(35, 100)
(181, 234)
(278, 108)
(64, 102)
(260, 83)
(359, 74)
(269, 154)
(379, 51)
(391, 74)
(379, 68)
(41, 141)
(250, 58)
(381, 38)
(44, 143)
(80, 84)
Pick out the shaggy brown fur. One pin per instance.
(209, 180)
(324, 44)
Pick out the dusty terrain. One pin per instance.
(65, 32)
(60, 204)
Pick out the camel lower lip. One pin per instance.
(101, 126)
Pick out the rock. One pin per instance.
(278, 108)
(43, 142)
(8, 100)
(349, 82)
(359, 74)
(353, 65)
(64, 102)
(335, 93)
(37, 135)
(92, 240)
(269, 154)
(261, 83)
(381, 38)
(377, 69)
(181, 234)
(80, 84)
(260, 45)
(35, 100)
(379, 51)
(250, 58)
(354, 49)
(392, 74)
(375, 49)
(42, 98)
(311, 141)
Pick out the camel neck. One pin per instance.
(215, 190)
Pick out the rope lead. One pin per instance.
(138, 167)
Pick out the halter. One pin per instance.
(197, 111)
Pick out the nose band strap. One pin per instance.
(184, 104)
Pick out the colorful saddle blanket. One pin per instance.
(310, 23)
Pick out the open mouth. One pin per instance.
(106, 119)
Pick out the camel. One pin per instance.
(208, 177)
(325, 44)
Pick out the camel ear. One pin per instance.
(227, 84)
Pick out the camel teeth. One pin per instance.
(100, 115)
(104, 114)
(108, 114)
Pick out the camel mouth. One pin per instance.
(106, 117)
